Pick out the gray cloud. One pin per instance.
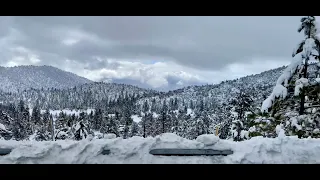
(204, 43)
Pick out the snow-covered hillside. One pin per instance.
(257, 150)
(84, 96)
(89, 95)
(259, 84)
(20, 78)
(185, 110)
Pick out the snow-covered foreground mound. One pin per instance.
(136, 150)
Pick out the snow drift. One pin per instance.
(136, 150)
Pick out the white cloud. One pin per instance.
(163, 74)
(158, 75)
(70, 41)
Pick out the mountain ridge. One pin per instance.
(88, 94)
(19, 78)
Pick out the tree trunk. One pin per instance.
(302, 100)
(163, 121)
(144, 126)
(52, 129)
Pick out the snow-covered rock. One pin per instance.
(208, 139)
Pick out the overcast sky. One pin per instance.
(156, 52)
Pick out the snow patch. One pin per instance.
(279, 91)
(244, 134)
(2, 127)
(300, 83)
(136, 118)
(66, 111)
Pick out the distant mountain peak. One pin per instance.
(19, 78)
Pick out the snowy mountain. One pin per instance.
(83, 96)
(89, 95)
(259, 86)
(18, 78)
(188, 112)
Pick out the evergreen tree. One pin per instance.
(164, 119)
(113, 126)
(80, 131)
(242, 103)
(97, 119)
(287, 103)
(144, 119)
(134, 130)
(36, 116)
(21, 126)
(128, 121)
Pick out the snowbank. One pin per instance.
(136, 150)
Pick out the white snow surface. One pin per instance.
(2, 127)
(279, 91)
(309, 47)
(257, 150)
(300, 83)
(136, 118)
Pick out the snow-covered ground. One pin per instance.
(136, 150)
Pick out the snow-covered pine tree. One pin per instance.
(51, 126)
(145, 109)
(163, 119)
(153, 105)
(225, 119)
(42, 131)
(36, 115)
(134, 130)
(175, 121)
(21, 128)
(5, 120)
(151, 125)
(80, 131)
(297, 89)
(128, 121)
(97, 119)
(113, 126)
(242, 105)
(62, 129)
